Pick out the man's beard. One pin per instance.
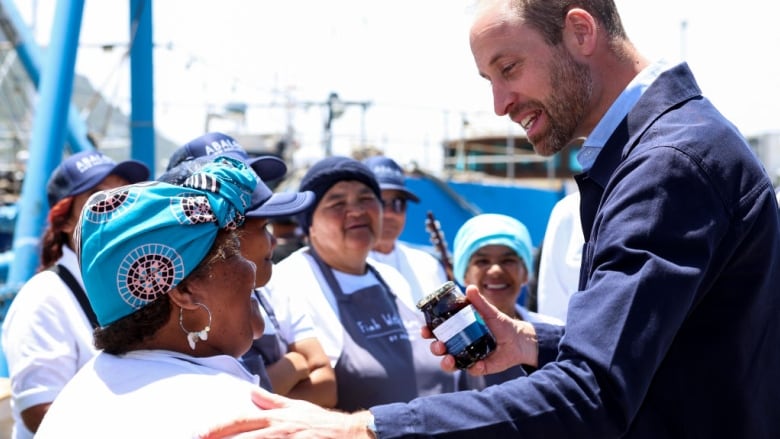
(571, 89)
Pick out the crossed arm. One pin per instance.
(305, 373)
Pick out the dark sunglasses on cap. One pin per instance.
(397, 205)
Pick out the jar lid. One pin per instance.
(436, 295)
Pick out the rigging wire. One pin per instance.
(99, 91)
(16, 102)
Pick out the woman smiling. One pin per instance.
(361, 310)
(163, 270)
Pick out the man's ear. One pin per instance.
(580, 32)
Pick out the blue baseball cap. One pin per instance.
(264, 204)
(84, 170)
(269, 168)
(389, 175)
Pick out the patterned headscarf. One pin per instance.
(137, 242)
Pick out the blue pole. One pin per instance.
(142, 83)
(30, 56)
(48, 136)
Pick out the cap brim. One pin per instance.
(268, 167)
(131, 170)
(394, 187)
(283, 204)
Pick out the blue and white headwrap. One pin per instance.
(490, 229)
(137, 242)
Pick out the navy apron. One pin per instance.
(379, 363)
(264, 350)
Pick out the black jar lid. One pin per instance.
(436, 295)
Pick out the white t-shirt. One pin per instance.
(294, 323)
(535, 317)
(559, 265)
(422, 270)
(299, 278)
(46, 338)
(150, 394)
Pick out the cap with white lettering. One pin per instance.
(269, 168)
(85, 170)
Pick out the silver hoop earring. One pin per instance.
(193, 336)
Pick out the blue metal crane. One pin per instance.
(56, 120)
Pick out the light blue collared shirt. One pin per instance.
(617, 111)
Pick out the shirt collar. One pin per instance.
(592, 145)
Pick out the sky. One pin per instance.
(409, 59)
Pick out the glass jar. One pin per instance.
(453, 321)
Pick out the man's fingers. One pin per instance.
(478, 369)
(267, 400)
(263, 399)
(235, 427)
(438, 348)
(448, 363)
(486, 310)
(478, 301)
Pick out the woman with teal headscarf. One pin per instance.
(164, 274)
(493, 252)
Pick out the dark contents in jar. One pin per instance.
(467, 338)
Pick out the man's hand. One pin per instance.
(515, 340)
(282, 417)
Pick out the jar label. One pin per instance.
(460, 330)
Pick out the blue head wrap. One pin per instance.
(490, 229)
(139, 241)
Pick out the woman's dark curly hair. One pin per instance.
(129, 332)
